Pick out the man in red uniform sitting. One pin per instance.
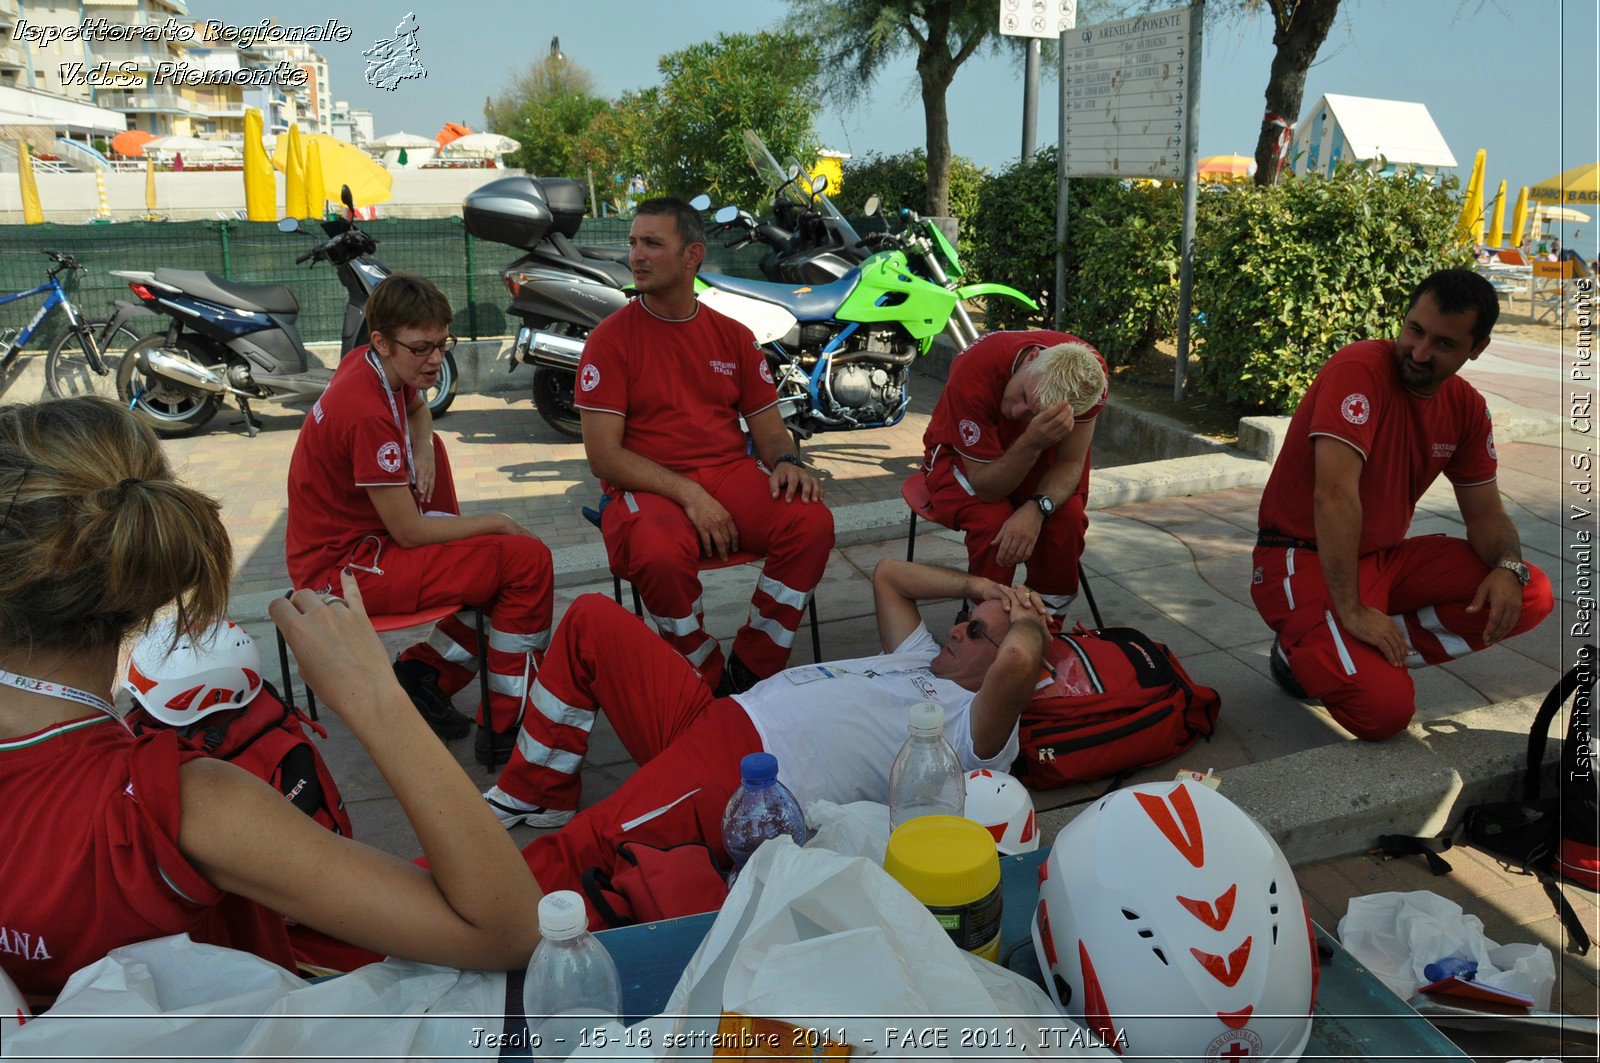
(662, 387)
(1351, 600)
(370, 490)
(1006, 455)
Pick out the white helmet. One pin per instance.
(1004, 808)
(13, 1009)
(178, 685)
(1168, 914)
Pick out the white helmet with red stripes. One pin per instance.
(180, 684)
(1004, 808)
(1168, 916)
(13, 1009)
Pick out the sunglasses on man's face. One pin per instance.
(977, 629)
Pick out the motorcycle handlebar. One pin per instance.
(307, 256)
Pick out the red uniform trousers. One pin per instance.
(1425, 585)
(688, 745)
(510, 575)
(1053, 567)
(651, 543)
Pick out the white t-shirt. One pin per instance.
(836, 727)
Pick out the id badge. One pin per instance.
(809, 673)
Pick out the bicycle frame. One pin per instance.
(57, 297)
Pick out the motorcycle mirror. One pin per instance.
(819, 182)
(289, 225)
(870, 207)
(700, 202)
(726, 215)
(346, 198)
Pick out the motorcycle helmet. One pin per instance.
(13, 1009)
(1004, 808)
(220, 669)
(1167, 917)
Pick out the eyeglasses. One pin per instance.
(424, 350)
(976, 629)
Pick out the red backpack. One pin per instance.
(1117, 700)
(267, 739)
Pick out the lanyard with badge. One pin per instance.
(404, 425)
(59, 691)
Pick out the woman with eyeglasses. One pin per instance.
(107, 839)
(370, 491)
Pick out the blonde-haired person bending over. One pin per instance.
(107, 839)
(1006, 455)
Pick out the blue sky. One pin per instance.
(1516, 77)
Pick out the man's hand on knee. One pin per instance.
(1502, 592)
(713, 523)
(1376, 629)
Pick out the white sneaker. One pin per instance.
(512, 812)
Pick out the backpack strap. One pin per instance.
(1538, 734)
(597, 887)
(1390, 845)
(1578, 937)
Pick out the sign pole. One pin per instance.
(1061, 194)
(1191, 182)
(1030, 99)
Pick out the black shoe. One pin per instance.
(736, 678)
(421, 684)
(492, 749)
(1282, 674)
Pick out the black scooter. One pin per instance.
(241, 340)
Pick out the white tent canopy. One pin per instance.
(402, 140)
(478, 146)
(1360, 129)
(193, 149)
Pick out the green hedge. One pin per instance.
(901, 181)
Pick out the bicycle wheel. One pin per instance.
(70, 369)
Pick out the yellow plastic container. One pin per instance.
(951, 865)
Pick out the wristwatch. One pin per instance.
(1517, 569)
(792, 459)
(1046, 507)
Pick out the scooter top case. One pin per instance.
(540, 215)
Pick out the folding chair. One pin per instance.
(592, 514)
(920, 502)
(387, 622)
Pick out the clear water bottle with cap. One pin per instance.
(761, 808)
(572, 984)
(926, 779)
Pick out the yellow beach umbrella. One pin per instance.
(1497, 224)
(316, 187)
(260, 188)
(32, 212)
(1577, 187)
(150, 185)
(1226, 168)
(344, 164)
(1471, 221)
(1519, 217)
(289, 158)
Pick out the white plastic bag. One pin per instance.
(1396, 935)
(860, 828)
(832, 942)
(172, 997)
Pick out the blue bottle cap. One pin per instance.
(759, 769)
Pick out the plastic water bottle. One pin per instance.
(572, 982)
(762, 808)
(1451, 967)
(926, 779)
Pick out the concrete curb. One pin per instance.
(1417, 783)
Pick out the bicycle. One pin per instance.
(83, 360)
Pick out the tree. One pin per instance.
(1299, 28)
(692, 126)
(863, 35)
(547, 109)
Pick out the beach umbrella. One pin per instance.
(1497, 224)
(1519, 218)
(1227, 168)
(1471, 221)
(450, 131)
(131, 142)
(390, 141)
(193, 149)
(260, 188)
(478, 146)
(288, 155)
(32, 212)
(316, 187)
(1562, 214)
(150, 185)
(1575, 187)
(342, 164)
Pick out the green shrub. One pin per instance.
(1122, 294)
(902, 181)
(1288, 274)
(1013, 239)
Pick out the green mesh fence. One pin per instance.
(467, 269)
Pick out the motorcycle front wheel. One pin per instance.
(84, 361)
(169, 408)
(441, 395)
(552, 397)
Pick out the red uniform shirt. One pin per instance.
(90, 861)
(351, 440)
(682, 385)
(1405, 441)
(967, 417)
